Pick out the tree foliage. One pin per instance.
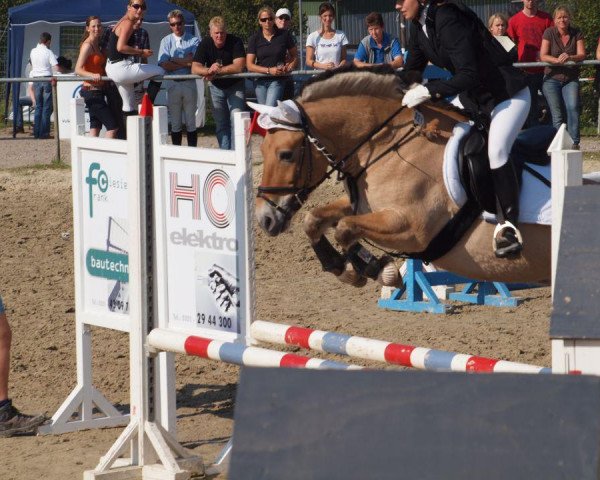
(240, 15)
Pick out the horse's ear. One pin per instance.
(410, 77)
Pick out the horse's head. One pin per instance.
(289, 170)
(316, 132)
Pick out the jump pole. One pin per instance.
(236, 353)
(379, 350)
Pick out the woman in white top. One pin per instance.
(326, 48)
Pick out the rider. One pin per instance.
(495, 93)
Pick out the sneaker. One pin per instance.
(13, 422)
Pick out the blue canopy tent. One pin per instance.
(27, 21)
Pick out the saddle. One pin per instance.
(530, 146)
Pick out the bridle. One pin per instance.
(300, 194)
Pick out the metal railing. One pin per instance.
(296, 73)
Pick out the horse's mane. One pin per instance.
(380, 81)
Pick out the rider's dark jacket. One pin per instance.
(482, 71)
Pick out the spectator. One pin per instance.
(91, 63)
(120, 67)
(267, 51)
(378, 47)
(597, 69)
(326, 48)
(12, 422)
(64, 65)
(175, 55)
(283, 21)
(222, 54)
(526, 28)
(497, 24)
(43, 64)
(27, 101)
(560, 44)
(451, 36)
(140, 39)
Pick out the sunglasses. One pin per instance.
(137, 6)
(176, 24)
(284, 17)
(266, 19)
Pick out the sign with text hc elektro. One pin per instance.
(204, 268)
(104, 234)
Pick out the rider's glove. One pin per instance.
(415, 96)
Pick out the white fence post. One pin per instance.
(567, 170)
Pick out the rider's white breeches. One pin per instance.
(508, 117)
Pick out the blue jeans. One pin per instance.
(564, 98)
(269, 90)
(43, 109)
(535, 81)
(226, 101)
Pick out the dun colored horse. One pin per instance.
(352, 123)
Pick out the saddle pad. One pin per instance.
(535, 204)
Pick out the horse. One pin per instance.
(351, 124)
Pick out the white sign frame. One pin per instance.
(237, 165)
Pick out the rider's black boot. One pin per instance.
(507, 238)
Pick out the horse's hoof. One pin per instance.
(389, 275)
(350, 277)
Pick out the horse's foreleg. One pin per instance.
(377, 227)
(316, 223)
(320, 219)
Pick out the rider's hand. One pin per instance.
(415, 96)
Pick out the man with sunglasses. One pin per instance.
(175, 55)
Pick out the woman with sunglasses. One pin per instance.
(326, 48)
(267, 52)
(121, 68)
(91, 63)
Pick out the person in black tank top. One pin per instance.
(121, 68)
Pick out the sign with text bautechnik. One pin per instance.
(201, 246)
(105, 239)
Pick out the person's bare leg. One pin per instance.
(5, 340)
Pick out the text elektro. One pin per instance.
(199, 239)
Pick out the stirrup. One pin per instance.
(510, 249)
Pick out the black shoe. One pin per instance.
(13, 422)
(506, 241)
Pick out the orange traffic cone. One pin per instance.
(146, 109)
